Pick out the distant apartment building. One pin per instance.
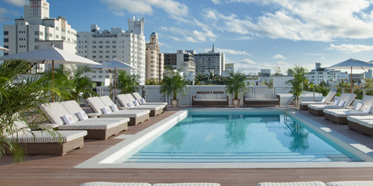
(183, 61)
(329, 76)
(211, 62)
(127, 46)
(154, 59)
(36, 26)
(229, 67)
(369, 74)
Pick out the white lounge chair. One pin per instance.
(361, 108)
(328, 98)
(308, 183)
(136, 116)
(317, 110)
(350, 183)
(115, 184)
(361, 124)
(142, 101)
(126, 99)
(96, 128)
(44, 143)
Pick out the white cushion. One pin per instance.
(307, 183)
(200, 96)
(82, 115)
(106, 110)
(272, 96)
(130, 105)
(249, 95)
(67, 119)
(142, 100)
(210, 96)
(341, 103)
(46, 137)
(136, 103)
(114, 108)
(323, 100)
(367, 109)
(335, 103)
(260, 96)
(358, 106)
(350, 183)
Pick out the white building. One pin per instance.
(329, 76)
(154, 59)
(183, 61)
(128, 46)
(36, 26)
(211, 62)
(229, 67)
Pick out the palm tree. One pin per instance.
(21, 100)
(236, 84)
(297, 83)
(127, 83)
(83, 86)
(173, 84)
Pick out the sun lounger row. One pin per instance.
(343, 101)
(318, 183)
(146, 184)
(324, 101)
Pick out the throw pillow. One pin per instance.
(358, 106)
(341, 103)
(335, 103)
(142, 100)
(323, 100)
(136, 103)
(114, 108)
(82, 115)
(367, 109)
(106, 110)
(130, 105)
(67, 119)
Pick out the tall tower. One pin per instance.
(154, 59)
(36, 10)
(136, 26)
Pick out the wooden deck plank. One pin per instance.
(58, 170)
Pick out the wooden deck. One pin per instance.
(58, 170)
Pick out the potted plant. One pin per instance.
(297, 83)
(236, 84)
(172, 84)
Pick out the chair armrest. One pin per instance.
(193, 97)
(93, 115)
(122, 108)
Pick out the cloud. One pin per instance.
(163, 44)
(17, 2)
(278, 56)
(249, 66)
(231, 51)
(249, 61)
(6, 15)
(300, 20)
(119, 7)
(216, 1)
(351, 48)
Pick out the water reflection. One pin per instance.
(174, 138)
(235, 131)
(299, 136)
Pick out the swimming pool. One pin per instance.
(216, 138)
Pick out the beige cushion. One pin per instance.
(122, 99)
(46, 137)
(126, 113)
(106, 101)
(350, 183)
(54, 111)
(260, 96)
(200, 96)
(272, 96)
(130, 97)
(96, 104)
(186, 184)
(249, 95)
(114, 184)
(221, 96)
(136, 95)
(210, 96)
(308, 183)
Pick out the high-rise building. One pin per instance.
(127, 46)
(183, 61)
(36, 26)
(211, 62)
(154, 59)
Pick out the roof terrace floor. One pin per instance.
(58, 170)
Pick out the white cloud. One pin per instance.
(300, 20)
(279, 56)
(351, 48)
(323, 58)
(216, 1)
(249, 61)
(6, 15)
(233, 52)
(174, 8)
(163, 44)
(17, 2)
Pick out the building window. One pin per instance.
(100, 42)
(6, 46)
(94, 51)
(100, 51)
(57, 28)
(114, 51)
(107, 51)
(63, 37)
(57, 36)
(36, 47)
(6, 40)
(94, 76)
(99, 76)
(107, 41)
(100, 71)
(93, 56)
(93, 41)
(6, 33)
(100, 47)
(107, 46)
(107, 76)
(114, 46)
(114, 57)
(36, 33)
(107, 57)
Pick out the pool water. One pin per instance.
(239, 138)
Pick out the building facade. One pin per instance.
(183, 61)
(211, 62)
(329, 76)
(36, 26)
(154, 59)
(127, 46)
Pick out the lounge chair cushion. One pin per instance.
(309, 183)
(344, 112)
(323, 100)
(96, 104)
(186, 184)
(322, 107)
(126, 113)
(94, 124)
(54, 112)
(114, 184)
(356, 119)
(46, 137)
(335, 103)
(137, 96)
(350, 183)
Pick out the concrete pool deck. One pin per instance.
(58, 170)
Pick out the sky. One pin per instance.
(253, 34)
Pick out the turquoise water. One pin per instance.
(239, 138)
